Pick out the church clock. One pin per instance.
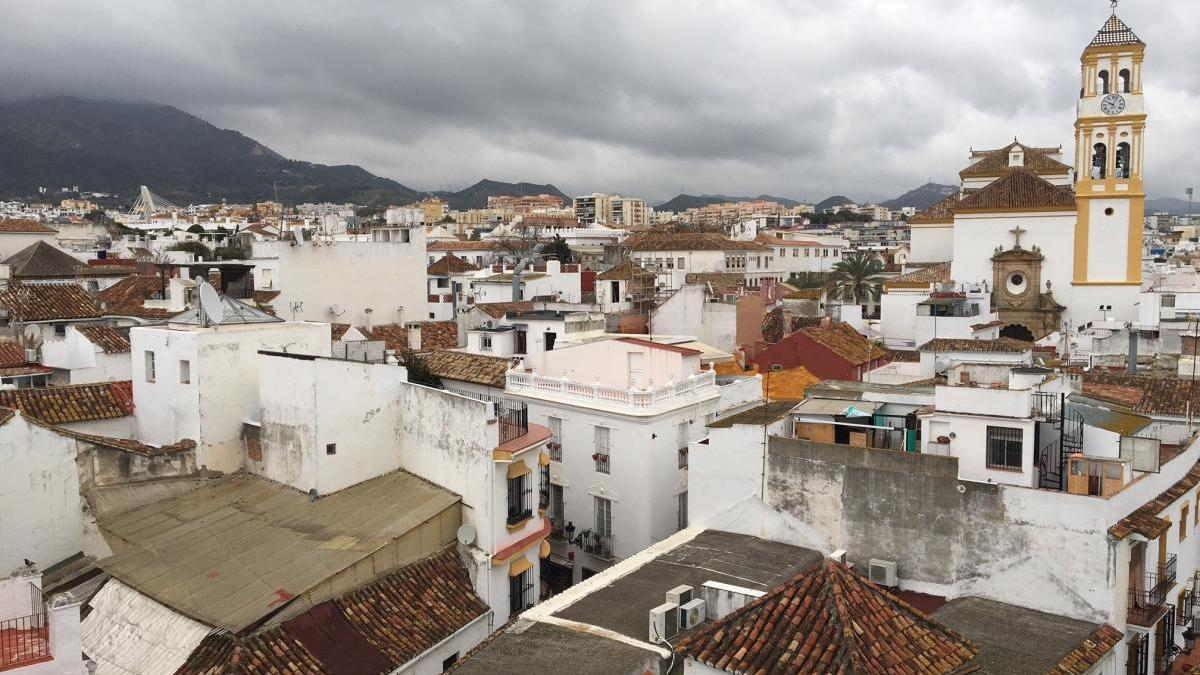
(1113, 104)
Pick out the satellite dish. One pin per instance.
(210, 303)
(466, 535)
(298, 233)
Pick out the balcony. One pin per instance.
(671, 394)
(25, 640)
(602, 460)
(514, 422)
(558, 529)
(1148, 603)
(598, 545)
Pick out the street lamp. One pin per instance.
(1189, 639)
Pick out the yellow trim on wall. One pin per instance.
(1082, 222)
(518, 566)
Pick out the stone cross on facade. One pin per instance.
(1016, 233)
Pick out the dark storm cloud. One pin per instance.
(804, 98)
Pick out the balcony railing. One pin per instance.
(514, 422)
(554, 446)
(637, 399)
(558, 529)
(26, 639)
(1148, 602)
(602, 461)
(599, 545)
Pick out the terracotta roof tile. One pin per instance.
(25, 225)
(42, 259)
(689, 241)
(1081, 659)
(466, 367)
(623, 271)
(1115, 32)
(1145, 519)
(940, 212)
(127, 297)
(828, 620)
(841, 339)
(497, 310)
(124, 444)
(374, 629)
(49, 302)
(450, 264)
(994, 163)
(12, 355)
(997, 346)
(74, 403)
(920, 278)
(434, 335)
(720, 281)
(337, 330)
(110, 340)
(1020, 188)
(1146, 395)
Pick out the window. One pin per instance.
(485, 343)
(557, 507)
(1122, 167)
(681, 510)
(449, 661)
(1004, 447)
(1102, 82)
(519, 586)
(554, 445)
(149, 366)
(681, 442)
(1099, 160)
(60, 329)
(185, 371)
(331, 448)
(1168, 300)
(603, 516)
(795, 253)
(518, 499)
(680, 264)
(1123, 80)
(601, 455)
(1183, 522)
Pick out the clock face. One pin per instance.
(1113, 104)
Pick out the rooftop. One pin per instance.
(1019, 188)
(110, 340)
(1013, 639)
(374, 629)
(24, 225)
(828, 619)
(994, 163)
(74, 403)
(449, 264)
(234, 550)
(498, 310)
(758, 415)
(841, 339)
(49, 302)
(750, 562)
(997, 346)
(467, 367)
(1115, 32)
(41, 259)
(537, 648)
(689, 241)
(1145, 519)
(127, 297)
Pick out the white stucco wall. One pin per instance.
(387, 277)
(687, 313)
(931, 243)
(898, 317)
(41, 512)
(222, 392)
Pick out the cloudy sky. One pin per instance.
(801, 98)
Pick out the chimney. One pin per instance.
(370, 325)
(1131, 359)
(414, 336)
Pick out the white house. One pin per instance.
(88, 353)
(672, 256)
(195, 378)
(41, 635)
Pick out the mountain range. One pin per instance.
(110, 146)
(683, 202)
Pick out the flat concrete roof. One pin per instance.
(234, 550)
(737, 559)
(759, 415)
(538, 648)
(1013, 639)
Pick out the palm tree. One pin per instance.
(858, 276)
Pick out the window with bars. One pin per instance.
(518, 499)
(1004, 447)
(554, 445)
(519, 587)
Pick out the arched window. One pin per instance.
(1103, 82)
(1123, 80)
(1122, 168)
(1099, 160)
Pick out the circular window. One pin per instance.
(1016, 283)
(1109, 211)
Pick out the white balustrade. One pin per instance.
(599, 393)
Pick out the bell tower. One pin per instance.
(1109, 132)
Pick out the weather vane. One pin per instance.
(1114, 5)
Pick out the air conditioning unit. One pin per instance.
(680, 595)
(883, 572)
(838, 556)
(31, 356)
(664, 622)
(691, 614)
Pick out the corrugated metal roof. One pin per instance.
(238, 548)
(127, 633)
(833, 406)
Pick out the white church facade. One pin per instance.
(1058, 247)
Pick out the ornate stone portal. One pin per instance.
(1017, 296)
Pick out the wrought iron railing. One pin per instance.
(683, 458)
(514, 422)
(599, 545)
(602, 461)
(544, 487)
(26, 639)
(1167, 572)
(1045, 404)
(1147, 601)
(554, 446)
(558, 529)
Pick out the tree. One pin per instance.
(418, 372)
(808, 280)
(858, 276)
(196, 229)
(194, 247)
(473, 235)
(557, 248)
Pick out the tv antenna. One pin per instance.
(211, 308)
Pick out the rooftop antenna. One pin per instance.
(210, 304)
